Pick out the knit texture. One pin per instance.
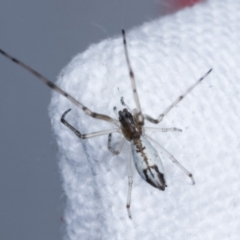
(167, 56)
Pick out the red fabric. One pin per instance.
(178, 4)
(170, 6)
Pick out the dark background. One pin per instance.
(46, 35)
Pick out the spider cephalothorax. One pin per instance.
(129, 129)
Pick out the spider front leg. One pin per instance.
(162, 115)
(85, 136)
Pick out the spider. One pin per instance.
(131, 125)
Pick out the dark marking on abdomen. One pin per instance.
(158, 183)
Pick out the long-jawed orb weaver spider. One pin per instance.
(131, 125)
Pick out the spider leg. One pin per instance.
(162, 115)
(164, 129)
(110, 148)
(124, 104)
(130, 182)
(59, 90)
(134, 87)
(115, 111)
(85, 136)
(174, 160)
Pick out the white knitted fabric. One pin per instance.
(167, 55)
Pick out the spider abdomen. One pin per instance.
(148, 163)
